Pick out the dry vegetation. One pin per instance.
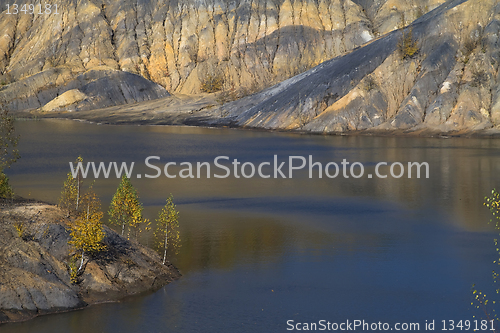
(407, 45)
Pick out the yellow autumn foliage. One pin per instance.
(126, 209)
(87, 231)
(167, 232)
(407, 45)
(70, 193)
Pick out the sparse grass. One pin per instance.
(233, 94)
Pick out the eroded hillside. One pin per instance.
(247, 45)
(321, 66)
(450, 84)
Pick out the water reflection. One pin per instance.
(323, 246)
(462, 172)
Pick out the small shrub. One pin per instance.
(303, 118)
(227, 96)
(407, 45)
(469, 46)
(212, 83)
(479, 78)
(5, 188)
(20, 228)
(130, 263)
(22, 231)
(370, 84)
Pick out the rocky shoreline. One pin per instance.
(34, 256)
(202, 112)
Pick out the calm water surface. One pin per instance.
(256, 253)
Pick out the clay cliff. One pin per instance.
(320, 66)
(249, 44)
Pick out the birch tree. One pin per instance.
(167, 232)
(71, 191)
(87, 231)
(125, 208)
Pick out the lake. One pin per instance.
(257, 253)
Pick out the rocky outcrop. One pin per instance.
(61, 89)
(34, 273)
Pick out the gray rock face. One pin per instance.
(102, 88)
(34, 274)
(450, 85)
